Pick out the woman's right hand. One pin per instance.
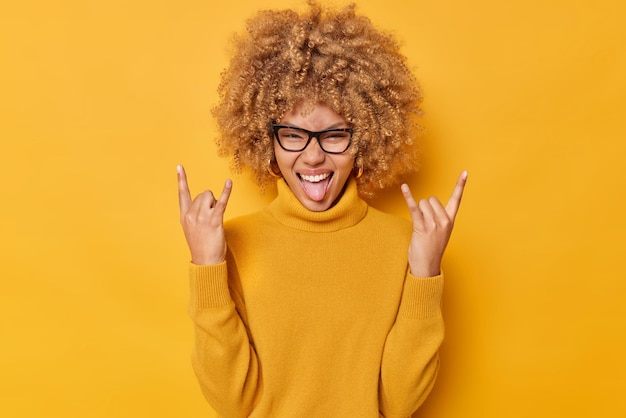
(203, 221)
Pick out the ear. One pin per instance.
(273, 168)
(357, 170)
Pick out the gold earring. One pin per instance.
(357, 171)
(270, 167)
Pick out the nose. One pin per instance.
(313, 153)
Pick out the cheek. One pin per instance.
(345, 165)
(284, 160)
(279, 155)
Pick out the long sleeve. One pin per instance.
(313, 315)
(223, 359)
(410, 358)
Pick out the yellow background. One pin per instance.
(100, 100)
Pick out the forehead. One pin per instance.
(313, 117)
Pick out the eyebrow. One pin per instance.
(338, 125)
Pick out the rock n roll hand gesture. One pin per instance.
(203, 221)
(432, 227)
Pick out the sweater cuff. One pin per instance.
(421, 298)
(209, 285)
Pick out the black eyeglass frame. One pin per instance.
(312, 135)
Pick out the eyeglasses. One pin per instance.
(332, 141)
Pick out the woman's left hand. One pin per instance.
(432, 227)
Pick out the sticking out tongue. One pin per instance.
(316, 190)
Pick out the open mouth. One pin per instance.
(316, 186)
(316, 178)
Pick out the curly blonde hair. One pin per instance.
(321, 56)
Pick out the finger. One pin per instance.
(201, 208)
(408, 197)
(203, 202)
(428, 212)
(223, 200)
(439, 212)
(184, 196)
(416, 213)
(452, 207)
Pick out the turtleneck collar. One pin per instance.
(288, 210)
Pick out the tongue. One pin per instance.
(315, 191)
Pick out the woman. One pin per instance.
(318, 305)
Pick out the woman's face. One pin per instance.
(315, 177)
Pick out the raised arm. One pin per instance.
(223, 359)
(410, 360)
